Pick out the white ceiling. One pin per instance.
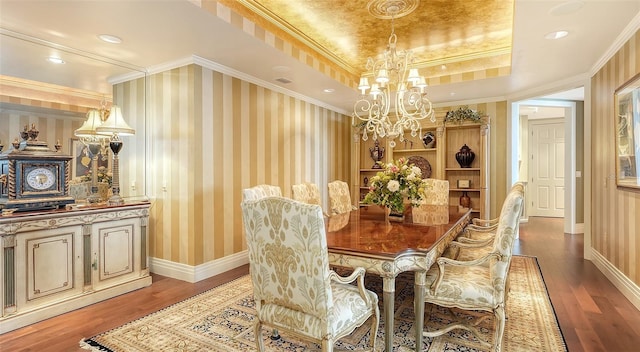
(158, 33)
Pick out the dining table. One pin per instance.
(367, 238)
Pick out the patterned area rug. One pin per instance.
(221, 319)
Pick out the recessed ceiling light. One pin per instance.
(281, 68)
(443, 67)
(55, 60)
(566, 8)
(556, 35)
(110, 38)
(329, 90)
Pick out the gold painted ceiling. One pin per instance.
(468, 36)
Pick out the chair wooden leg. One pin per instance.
(375, 320)
(258, 332)
(327, 345)
(499, 325)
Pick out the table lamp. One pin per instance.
(116, 126)
(93, 140)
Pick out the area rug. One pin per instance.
(221, 319)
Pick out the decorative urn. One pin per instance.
(465, 156)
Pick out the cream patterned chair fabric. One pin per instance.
(306, 193)
(483, 230)
(261, 191)
(436, 194)
(477, 241)
(480, 284)
(293, 287)
(339, 198)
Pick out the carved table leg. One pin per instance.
(388, 296)
(418, 306)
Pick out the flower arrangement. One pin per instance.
(103, 176)
(396, 181)
(463, 113)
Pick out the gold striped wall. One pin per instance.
(53, 127)
(211, 135)
(615, 223)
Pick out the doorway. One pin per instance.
(563, 196)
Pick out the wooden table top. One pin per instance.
(366, 231)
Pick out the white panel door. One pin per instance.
(546, 169)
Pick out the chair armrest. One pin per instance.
(476, 228)
(443, 261)
(357, 274)
(464, 242)
(483, 223)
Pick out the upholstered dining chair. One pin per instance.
(436, 193)
(480, 284)
(484, 230)
(306, 193)
(293, 287)
(339, 198)
(477, 241)
(261, 191)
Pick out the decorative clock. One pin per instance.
(32, 176)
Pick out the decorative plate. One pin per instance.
(422, 163)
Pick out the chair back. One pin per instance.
(435, 197)
(261, 191)
(288, 257)
(339, 197)
(505, 236)
(436, 192)
(307, 193)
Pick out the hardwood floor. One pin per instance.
(593, 314)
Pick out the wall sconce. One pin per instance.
(116, 126)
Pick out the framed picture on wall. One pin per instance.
(627, 133)
(81, 162)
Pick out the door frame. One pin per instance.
(513, 126)
(539, 122)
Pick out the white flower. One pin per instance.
(416, 170)
(393, 185)
(411, 176)
(404, 167)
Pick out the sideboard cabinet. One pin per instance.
(60, 260)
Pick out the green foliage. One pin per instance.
(463, 113)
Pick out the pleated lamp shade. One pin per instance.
(115, 123)
(88, 128)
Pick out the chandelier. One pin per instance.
(396, 101)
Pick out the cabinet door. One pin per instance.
(49, 266)
(114, 249)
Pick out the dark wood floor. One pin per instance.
(593, 314)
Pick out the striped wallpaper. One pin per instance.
(53, 127)
(615, 223)
(211, 135)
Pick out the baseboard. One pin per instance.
(579, 228)
(196, 273)
(628, 288)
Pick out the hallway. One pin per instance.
(593, 314)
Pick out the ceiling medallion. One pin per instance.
(388, 9)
